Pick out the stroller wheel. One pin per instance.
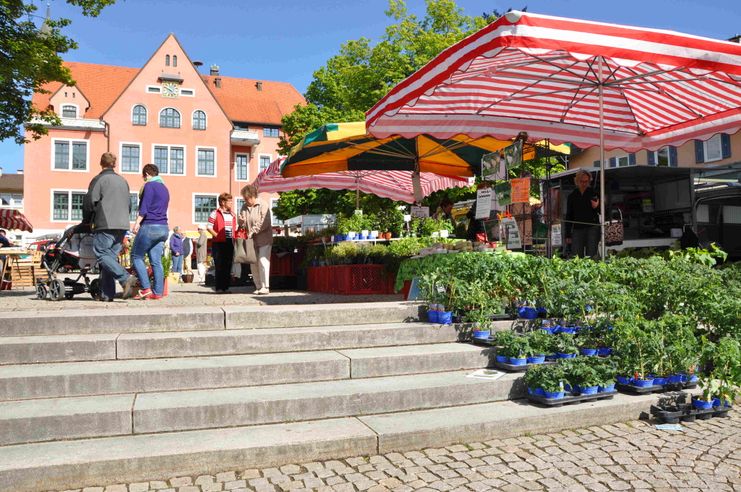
(57, 290)
(95, 289)
(41, 291)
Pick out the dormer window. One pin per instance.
(69, 111)
(167, 60)
(174, 60)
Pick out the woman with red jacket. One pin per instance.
(222, 224)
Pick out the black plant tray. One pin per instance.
(482, 341)
(568, 399)
(515, 368)
(687, 413)
(656, 388)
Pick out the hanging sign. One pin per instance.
(491, 168)
(510, 233)
(483, 203)
(512, 155)
(503, 193)
(419, 211)
(556, 235)
(520, 190)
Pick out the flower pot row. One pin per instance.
(636, 385)
(688, 412)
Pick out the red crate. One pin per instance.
(360, 279)
(282, 265)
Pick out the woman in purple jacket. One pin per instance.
(151, 232)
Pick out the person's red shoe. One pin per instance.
(144, 294)
(155, 297)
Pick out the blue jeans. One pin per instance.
(150, 241)
(177, 263)
(107, 246)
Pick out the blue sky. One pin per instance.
(288, 40)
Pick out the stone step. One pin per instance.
(100, 416)
(89, 462)
(415, 359)
(19, 382)
(158, 319)
(71, 348)
(26, 381)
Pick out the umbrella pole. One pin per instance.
(603, 248)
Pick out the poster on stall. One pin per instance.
(520, 190)
(503, 192)
(491, 168)
(556, 235)
(419, 211)
(510, 233)
(483, 203)
(512, 155)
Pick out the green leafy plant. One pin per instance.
(550, 378)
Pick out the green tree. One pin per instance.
(31, 58)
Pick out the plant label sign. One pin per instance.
(418, 211)
(483, 203)
(511, 233)
(556, 235)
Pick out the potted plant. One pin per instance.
(539, 345)
(582, 375)
(566, 346)
(549, 379)
(502, 339)
(516, 349)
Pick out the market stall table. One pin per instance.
(12, 264)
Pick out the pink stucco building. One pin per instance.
(207, 133)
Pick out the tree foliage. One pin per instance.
(352, 81)
(30, 57)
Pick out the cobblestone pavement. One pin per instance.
(191, 295)
(705, 456)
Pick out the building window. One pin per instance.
(169, 159)
(69, 111)
(153, 88)
(206, 162)
(169, 118)
(70, 155)
(167, 60)
(270, 132)
(67, 205)
(186, 92)
(199, 120)
(174, 60)
(712, 149)
(139, 115)
(133, 206)
(130, 158)
(664, 157)
(264, 162)
(239, 204)
(241, 163)
(202, 207)
(273, 204)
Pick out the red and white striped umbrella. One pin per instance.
(544, 75)
(13, 219)
(583, 82)
(396, 185)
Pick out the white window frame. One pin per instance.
(69, 157)
(185, 158)
(625, 158)
(205, 147)
(271, 131)
(119, 162)
(69, 204)
(61, 110)
(274, 222)
(259, 157)
(715, 138)
(238, 204)
(668, 157)
(192, 120)
(153, 89)
(132, 114)
(192, 92)
(159, 118)
(246, 154)
(193, 205)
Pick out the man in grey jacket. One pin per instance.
(106, 207)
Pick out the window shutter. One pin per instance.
(699, 152)
(673, 161)
(613, 161)
(650, 158)
(631, 159)
(725, 145)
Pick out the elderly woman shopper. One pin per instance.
(221, 225)
(151, 233)
(255, 217)
(582, 217)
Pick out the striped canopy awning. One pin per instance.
(543, 75)
(396, 185)
(14, 220)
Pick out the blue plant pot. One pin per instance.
(587, 390)
(340, 237)
(643, 383)
(502, 359)
(527, 312)
(567, 387)
(542, 312)
(551, 357)
(446, 318)
(566, 356)
(604, 351)
(624, 379)
(548, 329)
(373, 236)
(568, 330)
(363, 236)
(516, 361)
(476, 333)
(608, 388)
(693, 379)
(660, 381)
(553, 395)
(536, 359)
(433, 316)
(702, 404)
(350, 236)
(539, 392)
(588, 351)
(674, 379)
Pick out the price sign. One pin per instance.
(421, 212)
(483, 203)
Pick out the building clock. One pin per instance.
(170, 89)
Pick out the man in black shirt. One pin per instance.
(582, 217)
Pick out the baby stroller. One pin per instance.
(73, 251)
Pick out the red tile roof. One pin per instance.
(102, 84)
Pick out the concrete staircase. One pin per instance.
(91, 397)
